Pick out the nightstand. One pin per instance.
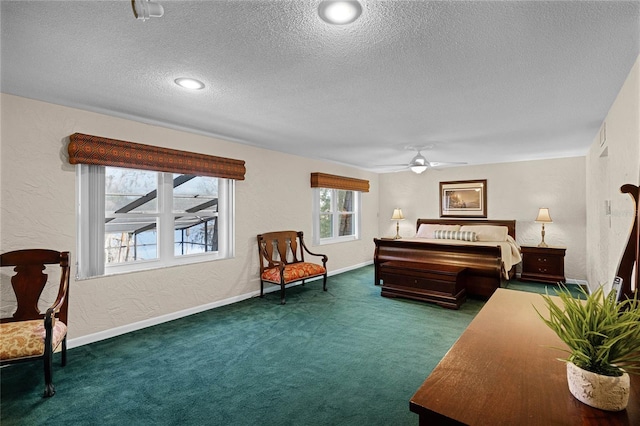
(543, 264)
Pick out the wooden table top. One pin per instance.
(501, 371)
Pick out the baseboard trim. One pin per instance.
(117, 331)
(582, 283)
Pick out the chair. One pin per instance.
(282, 261)
(29, 334)
(629, 266)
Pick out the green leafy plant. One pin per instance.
(603, 334)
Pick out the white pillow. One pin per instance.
(426, 230)
(454, 235)
(487, 232)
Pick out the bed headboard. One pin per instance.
(510, 224)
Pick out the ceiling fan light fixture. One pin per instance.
(145, 9)
(337, 12)
(418, 164)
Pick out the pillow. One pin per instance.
(488, 232)
(426, 230)
(454, 235)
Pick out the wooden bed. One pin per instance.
(440, 272)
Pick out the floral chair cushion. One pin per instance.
(24, 339)
(294, 272)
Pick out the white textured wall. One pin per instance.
(609, 166)
(38, 198)
(514, 191)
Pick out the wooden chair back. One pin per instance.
(281, 246)
(29, 282)
(629, 266)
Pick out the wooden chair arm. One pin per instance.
(62, 293)
(50, 319)
(50, 315)
(324, 256)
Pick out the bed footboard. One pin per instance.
(483, 263)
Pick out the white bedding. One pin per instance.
(510, 249)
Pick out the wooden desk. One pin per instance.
(502, 372)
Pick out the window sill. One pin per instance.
(151, 265)
(327, 241)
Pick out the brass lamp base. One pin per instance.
(542, 243)
(397, 237)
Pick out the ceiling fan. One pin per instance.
(419, 163)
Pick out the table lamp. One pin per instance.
(543, 217)
(397, 216)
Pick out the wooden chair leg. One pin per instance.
(64, 351)
(282, 299)
(324, 282)
(49, 389)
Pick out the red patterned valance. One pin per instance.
(323, 180)
(87, 149)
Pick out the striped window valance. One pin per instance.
(87, 149)
(323, 180)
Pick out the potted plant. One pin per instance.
(603, 336)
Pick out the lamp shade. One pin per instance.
(397, 214)
(543, 215)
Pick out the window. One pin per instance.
(133, 219)
(336, 215)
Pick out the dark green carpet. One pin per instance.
(343, 357)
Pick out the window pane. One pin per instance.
(326, 225)
(346, 225)
(325, 199)
(130, 239)
(129, 190)
(195, 194)
(345, 201)
(195, 234)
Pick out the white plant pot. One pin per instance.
(603, 392)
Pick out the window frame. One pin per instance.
(90, 194)
(335, 214)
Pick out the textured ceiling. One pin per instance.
(479, 82)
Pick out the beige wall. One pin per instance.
(38, 210)
(609, 166)
(514, 191)
(37, 207)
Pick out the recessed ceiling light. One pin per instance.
(189, 83)
(339, 12)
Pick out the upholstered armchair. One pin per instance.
(282, 261)
(29, 334)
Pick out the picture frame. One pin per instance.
(464, 198)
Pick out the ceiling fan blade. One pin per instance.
(391, 168)
(444, 163)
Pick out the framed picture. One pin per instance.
(465, 198)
